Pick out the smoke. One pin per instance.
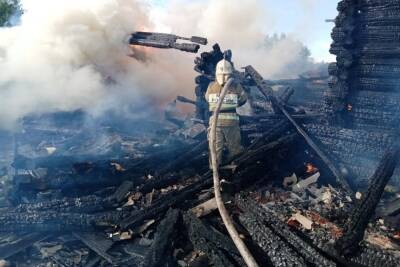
(243, 26)
(68, 54)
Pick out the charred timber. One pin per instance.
(85, 204)
(219, 248)
(266, 227)
(178, 198)
(279, 253)
(49, 220)
(369, 256)
(362, 214)
(160, 253)
(163, 40)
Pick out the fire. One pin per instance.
(311, 168)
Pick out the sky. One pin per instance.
(304, 19)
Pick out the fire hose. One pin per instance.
(233, 233)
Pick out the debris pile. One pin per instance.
(125, 205)
(142, 196)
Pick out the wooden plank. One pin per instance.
(97, 243)
(205, 208)
(23, 242)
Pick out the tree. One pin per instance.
(8, 8)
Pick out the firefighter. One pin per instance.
(228, 130)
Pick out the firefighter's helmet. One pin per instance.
(223, 71)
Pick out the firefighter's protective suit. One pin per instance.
(228, 130)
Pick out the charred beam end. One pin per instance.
(219, 248)
(262, 86)
(165, 41)
(97, 243)
(161, 250)
(122, 191)
(361, 215)
(286, 95)
(185, 100)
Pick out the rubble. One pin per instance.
(304, 221)
(71, 196)
(124, 216)
(306, 182)
(361, 215)
(290, 180)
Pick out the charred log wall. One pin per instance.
(362, 102)
(365, 79)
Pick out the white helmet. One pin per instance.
(223, 71)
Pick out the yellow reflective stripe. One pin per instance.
(228, 116)
(213, 106)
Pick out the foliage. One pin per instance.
(8, 8)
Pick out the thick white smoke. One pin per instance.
(242, 26)
(70, 54)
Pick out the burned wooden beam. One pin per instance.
(164, 203)
(286, 95)
(22, 242)
(85, 204)
(166, 41)
(160, 253)
(265, 146)
(267, 92)
(263, 87)
(279, 253)
(215, 245)
(122, 191)
(268, 230)
(97, 243)
(361, 215)
(48, 220)
(205, 208)
(185, 100)
(370, 256)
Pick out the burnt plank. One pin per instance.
(160, 253)
(363, 212)
(24, 241)
(97, 243)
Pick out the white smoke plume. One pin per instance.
(242, 26)
(70, 54)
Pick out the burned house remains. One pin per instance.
(317, 183)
